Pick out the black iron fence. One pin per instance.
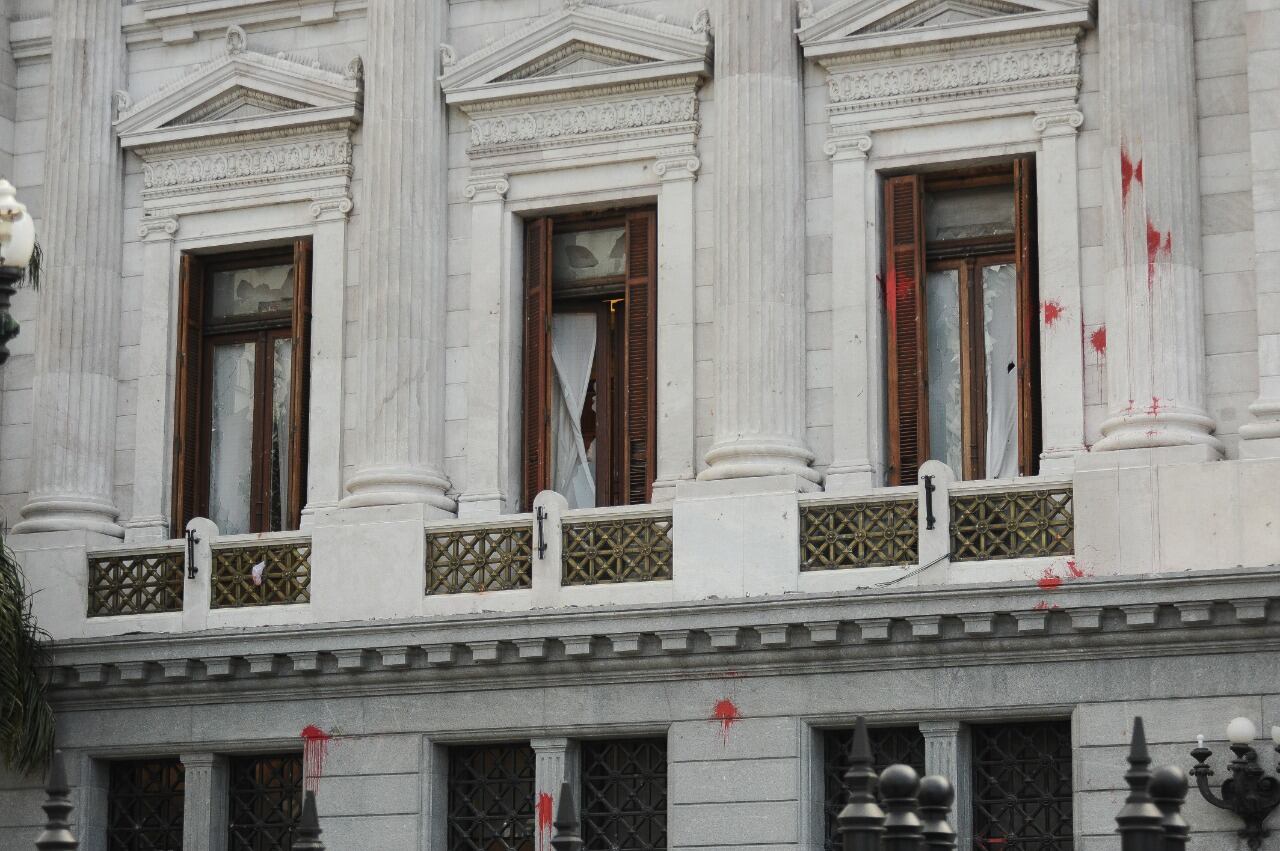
(895, 810)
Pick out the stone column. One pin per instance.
(492, 346)
(946, 752)
(1262, 36)
(1151, 221)
(1061, 340)
(204, 817)
(760, 245)
(402, 262)
(855, 320)
(153, 424)
(78, 343)
(678, 170)
(556, 762)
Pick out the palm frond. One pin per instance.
(26, 718)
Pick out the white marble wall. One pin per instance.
(1227, 215)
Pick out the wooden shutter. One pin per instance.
(537, 366)
(301, 380)
(904, 308)
(187, 414)
(641, 330)
(1024, 189)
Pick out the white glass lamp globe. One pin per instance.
(1275, 735)
(17, 231)
(1241, 731)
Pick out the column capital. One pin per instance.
(853, 147)
(1064, 122)
(941, 728)
(200, 760)
(157, 228)
(678, 165)
(487, 187)
(331, 209)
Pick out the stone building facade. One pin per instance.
(432, 402)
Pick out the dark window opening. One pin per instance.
(491, 790)
(145, 805)
(265, 802)
(889, 746)
(624, 795)
(1022, 786)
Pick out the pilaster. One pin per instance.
(153, 426)
(73, 461)
(205, 815)
(1151, 222)
(855, 319)
(492, 342)
(557, 762)
(1262, 38)
(327, 391)
(1058, 247)
(759, 293)
(402, 262)
(947, 752)
(677, 361)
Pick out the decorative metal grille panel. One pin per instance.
(1022, 786)
(491, 798)
(889, 746)
(487, 559)
(144, 805)
(136, 583)
(624, 795)
(285, 576)
(626, 549)
(1012, 524)
(876, 533)
(265, 802)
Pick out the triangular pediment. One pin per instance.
(579, 47)
(867, 24)
(241, 91)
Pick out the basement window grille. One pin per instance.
(1022, 786)
(491, 790)
(889, 746)
(624, 795)
(265, 802)
(145, 805)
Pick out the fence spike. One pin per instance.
(1169, 792)
(899, 785)
(861, 823)
(936, 797)
(566, 836)
(1139, 820)
(307, 836)
(57, 835)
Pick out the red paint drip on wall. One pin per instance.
(1098, 339)
(1074, 569)
(1154, 407)
(1159, 247)
(315, 747)
(1052, 312)
(1050, 581)
(545, 810)
(1043, 605)
(1129, 172)
(726, 712)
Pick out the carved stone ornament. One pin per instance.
(244, 124)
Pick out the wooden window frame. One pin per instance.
(909, 258)
(197, 338)
(625, 434)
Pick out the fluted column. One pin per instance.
(77, 348)
(1151, 210)
(759, 287)
(402, 262)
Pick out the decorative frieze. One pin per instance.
(242, 166)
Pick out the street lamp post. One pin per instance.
(1249, 793)
(17, 241)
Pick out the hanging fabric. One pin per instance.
(573, 351)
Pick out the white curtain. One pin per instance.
(1000, 318)
(573, 351)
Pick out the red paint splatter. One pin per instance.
(315, 747)
(1098, 339)
(545, 809)
(1043, 605)
(1129, 409)
(1129, 172)
(726, 712)
(1052, 312)
(1050, 581)
(1159, 247)
(1074, 569)
(1154, 407)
